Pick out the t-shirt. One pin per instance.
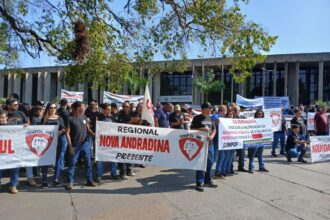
(64, 114)
(36, 121)
(173, 117)
(59, 122)
(78, 129)
(321, 121)
(109, 118)
(200, 121)
(123, 117)
(215, 117)
(17, 118)
(163, 118)
(291, 141)
(299, 121)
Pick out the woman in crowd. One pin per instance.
(252, 151)
(51, 118)
(228, 162)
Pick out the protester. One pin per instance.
(203, 122)
(76, 134)
(125, 117)
(294, 141)
(51, 118)
(298, 120)
(259, 150)
(280, 135)
(63, 111)
(16, 117)
(222, 155)
(107, 117)
(177, 119)
(241, 152)
(13, 172)
(228, 162)
(321, 121)
(162, 116)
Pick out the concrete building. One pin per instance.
(305, 78)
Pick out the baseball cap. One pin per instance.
(206, 105)
(177, 107)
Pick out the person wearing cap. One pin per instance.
(321, 121)
(294, 141)
(76, 134)
(203, 122)
(177, 119)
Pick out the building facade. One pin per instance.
(305, 78)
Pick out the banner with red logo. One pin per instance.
(310, 121)
(244, 133)
(174, 148)
(276, 115)
(27, 146)
(320, 148)
(72, 96)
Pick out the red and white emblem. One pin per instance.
(39, 143)
(190, 147)
(276, 118)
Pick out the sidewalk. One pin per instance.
(288, 191)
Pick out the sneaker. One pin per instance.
(274, 155)
(91, 184)
(199, 188)
(219, 176)
(251, 171)
(44, 185)
(115, 177)
(31, 182)
(211, 185)
(282, 153)
(13, 190)
(131, 173)
(56, 183)
(302, 161)
(98, 180)
(123, 177)
(263, 170)
(69, 186)
(289, 159)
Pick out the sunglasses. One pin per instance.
(126, 106)
(52, 107)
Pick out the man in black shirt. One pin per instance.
(299, 120)
(63, 112)
(125, 117)
(76, 134)
(177, 119)
(203, 122)
(292, 143)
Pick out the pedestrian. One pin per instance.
(240, 152)
(321, 121)
(280, 135)
(177, 119)
(295, 141)
(162, 116)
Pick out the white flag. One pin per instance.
(147, 110)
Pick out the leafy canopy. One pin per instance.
(119, 35)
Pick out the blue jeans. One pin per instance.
(241, 156)
(252, 152)
(29, 172)
(205, 176)
(229, 162)
(278, 135)
(85, 148)
(100, 168)
(219, 169)
(60, 155)
(13, 177)
(293, 152)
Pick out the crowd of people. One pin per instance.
(76, 137)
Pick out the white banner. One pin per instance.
(27, 147)
(109, 97)
(72, 96)
(320, 148)
(239, 133)
(165, 147)
(276, 115)
(310, 121)
(249, 103)
(248, 114)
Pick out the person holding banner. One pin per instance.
(105, 116)
(240, 152)
(257, 150)
(76, 134)
(203, 122)
(13, 172)
(228, 162)
(294, 140)
(280, 135)
(50, 117)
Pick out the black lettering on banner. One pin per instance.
(120, 128)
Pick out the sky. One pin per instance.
(302, 26)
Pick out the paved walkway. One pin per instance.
(289, 191)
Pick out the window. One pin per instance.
(308, 83)
(326, 81)
(176, 84)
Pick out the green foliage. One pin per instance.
(134, 81)
(125, 38)
(208, 84)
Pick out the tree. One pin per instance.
(100, 40)
(208, 84)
